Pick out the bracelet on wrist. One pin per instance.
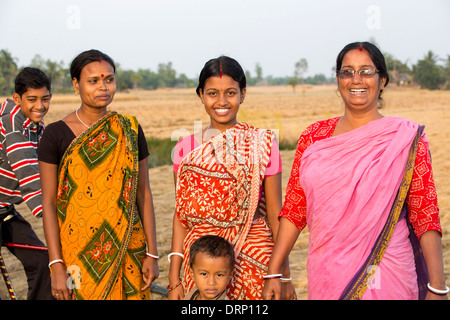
(272, 276)
(152, 256)
(175, 254)
(55, 261)
(437, 291)
(284, 280)
(169, 288)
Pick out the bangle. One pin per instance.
(438, 292)
(175, 254)
(284, 280)
(273, 276)
(152, 256)
(175, 286)
(55, 261)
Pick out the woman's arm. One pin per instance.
(49, 181)
(287, 235)
(144, 200)
(272, 191)
(431, 245)
(176, 261)
(272, 188)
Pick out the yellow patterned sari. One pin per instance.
(102, 239)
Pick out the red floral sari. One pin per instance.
(218, 192)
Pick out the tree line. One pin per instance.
(431, 72)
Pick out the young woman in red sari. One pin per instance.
(228, 183)
(362, 182)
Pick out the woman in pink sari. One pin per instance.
(363, 185)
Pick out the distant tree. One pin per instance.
(399, 72)
(136, 78)
(149, 79)
(292, 81)
(184, 82)
(250, 80)
(428, 73)
(300, 68)
(37, 62)
(447, 73)
(8, 72)
(259, 72)
(166, 75)
(123, 79)
(56, 72)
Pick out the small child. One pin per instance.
(211, 267)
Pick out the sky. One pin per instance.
(140, 34)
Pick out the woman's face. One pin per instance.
(97, 84)
(360, 92)
(222, 98)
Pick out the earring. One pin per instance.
(76, 93)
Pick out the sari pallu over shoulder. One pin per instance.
(359, 283)
(218, 189)
(351, 182)
(100, 229)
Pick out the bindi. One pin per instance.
(102, 75)
(360, 47)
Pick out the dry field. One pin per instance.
(174, 112)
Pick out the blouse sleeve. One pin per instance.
(49, 145)
(422, 197)
(182, 148)
(274, 165)
(294, 207)
(142, 144)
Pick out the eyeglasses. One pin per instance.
(363, 73)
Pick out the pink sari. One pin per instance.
(351, 182)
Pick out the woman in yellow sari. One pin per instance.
(98, 212)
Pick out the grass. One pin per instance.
(160, 151)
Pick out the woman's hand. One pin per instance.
(176, 293)
(272, 289)
(288, 291)
(150, 272)
(60, 279)
(432, 296)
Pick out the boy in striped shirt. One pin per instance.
(21, 126)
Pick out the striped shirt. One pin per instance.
(19, 172)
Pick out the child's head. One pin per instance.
(32, 93)
(211, 265)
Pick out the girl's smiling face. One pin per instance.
(222, 97)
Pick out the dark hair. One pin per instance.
(374, 53)
(214, 246)
(87, 57)
(31, 78)
(222, 65)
